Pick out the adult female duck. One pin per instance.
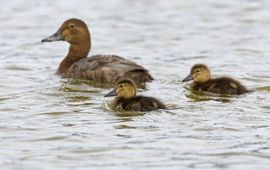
(202, 81)
(127, 100)
(101, 68)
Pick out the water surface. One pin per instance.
(48, 122)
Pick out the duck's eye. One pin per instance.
(121, 86)
(71, 26)
(197, 71)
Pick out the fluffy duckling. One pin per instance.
(202, 81)
(126, 99)
(101, 68)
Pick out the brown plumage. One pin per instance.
(126, 99)
(101, 68)
(202, 81)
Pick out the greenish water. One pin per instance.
(47, 122)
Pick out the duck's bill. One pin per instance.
(111, 93)
(55, 37)
(188, 78)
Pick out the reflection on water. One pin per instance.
(264, 88)
(206, 96)
(52, 123)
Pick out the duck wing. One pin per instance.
(107, 68)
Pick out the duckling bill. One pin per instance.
(126, 99)
(101, 68)
(202, 81)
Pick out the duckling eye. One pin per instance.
(121, 86)
(71, 26)
(197, 71)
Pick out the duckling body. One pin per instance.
(101, 68)
(126, 99)
(202, 81)
(138, 103)
(221, 85)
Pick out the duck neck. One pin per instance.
(75, 53)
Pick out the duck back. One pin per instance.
(222, 85)
(107, 69)
(139, 103)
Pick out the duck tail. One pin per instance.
(140, 77)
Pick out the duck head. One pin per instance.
(74, 31)
(124, 88)
(199, 73)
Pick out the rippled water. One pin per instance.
(48, 122)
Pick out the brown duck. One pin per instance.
(101, 68)
(202, 81)
(126, 99)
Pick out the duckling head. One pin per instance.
(124, 88)
(199, 73)
(73, 30)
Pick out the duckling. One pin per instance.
(100, 68)
(202, 81)
(125, 90)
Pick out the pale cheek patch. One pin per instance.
(118, 92)
(202, 78)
